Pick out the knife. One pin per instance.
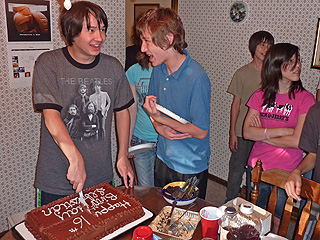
(83, 202)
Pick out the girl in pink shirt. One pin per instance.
(276, 116)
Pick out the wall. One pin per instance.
(221, 46)
(130, 13)
(20, 125)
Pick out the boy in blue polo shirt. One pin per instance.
(181, 85)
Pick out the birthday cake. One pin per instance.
(108, 210)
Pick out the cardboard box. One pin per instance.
(264, 215)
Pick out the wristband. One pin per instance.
(265, 133)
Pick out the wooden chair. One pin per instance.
(277, 177)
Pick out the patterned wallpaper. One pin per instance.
(214, 41)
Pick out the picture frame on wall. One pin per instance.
(316, 51)
(141, 8)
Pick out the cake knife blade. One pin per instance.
(83, 202)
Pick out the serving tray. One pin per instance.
(24, 232)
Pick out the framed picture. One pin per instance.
(316, 51)
(141, 8)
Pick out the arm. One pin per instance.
(76, 172)
(318, 95)
(234, 113)
(168, 132)
(123, 164)
(289, 141)
(133, 112)
(165, 123)
(293, 184)
(255, 132)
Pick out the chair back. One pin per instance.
(278, 177)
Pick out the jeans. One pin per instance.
(237, 164)
(144, 163)
(265, 190)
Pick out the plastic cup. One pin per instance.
(210, 222)
(143, 233)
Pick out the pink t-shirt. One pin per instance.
(283, 114)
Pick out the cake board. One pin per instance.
(26, 235)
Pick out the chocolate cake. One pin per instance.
(108, 210)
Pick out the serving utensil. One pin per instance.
(190, 190)
(179, 193)
(170, 215)
(83, 202)
(176, 222)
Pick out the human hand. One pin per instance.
(125, 170)
(233, 143)
(77, 174)
(131, 155)
(170, 133)
(149, 105)
(293, 185)
(255, 121)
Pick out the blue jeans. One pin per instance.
(265, 190)
(144, 163)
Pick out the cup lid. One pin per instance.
(143, 233)
(246, 208)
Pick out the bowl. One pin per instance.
(179, 202)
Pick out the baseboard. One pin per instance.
(217, 179)
(223, 182)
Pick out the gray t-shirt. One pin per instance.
(86, 96)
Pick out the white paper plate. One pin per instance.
(24, 232)
(141, 148)
(171, 114)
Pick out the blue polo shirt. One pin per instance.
(186, 92)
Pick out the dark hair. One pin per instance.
(96, 83)
(141, 57)
(258, 38)
(71, 21)
(87, 106)
(160, 22)
(143, 60)
(278, 57)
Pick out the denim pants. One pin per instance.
(144, 163)
(265, 190)
(237, 167)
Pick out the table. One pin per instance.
(151, 198)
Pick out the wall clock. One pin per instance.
(238, 12)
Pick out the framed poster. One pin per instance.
(141, 8)
(316, 53)
(28, 20)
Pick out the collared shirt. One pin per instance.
(187, 93)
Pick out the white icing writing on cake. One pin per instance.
(94, 199)
(111, 207)
(78, 220)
